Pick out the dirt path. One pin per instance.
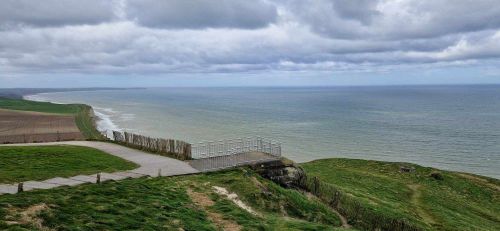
(205, 202)
(416, 201)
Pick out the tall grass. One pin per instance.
(357, 214)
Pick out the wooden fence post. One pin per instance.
(188, 154)
(98, 178)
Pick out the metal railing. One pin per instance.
(235, 146)
(215, 155)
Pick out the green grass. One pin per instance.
(25, 163)
(269, 199)
(83, 113)
(164, 204)
(85, 122)
(27, 105)
(458, 202)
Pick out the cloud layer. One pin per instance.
(204, 36)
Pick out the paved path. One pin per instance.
(150, 165)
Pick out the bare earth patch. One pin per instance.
(204, 201)
(29, 127)
(28, 216)
(234, 198)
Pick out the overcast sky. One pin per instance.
(74, 43)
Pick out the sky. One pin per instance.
(147, 43)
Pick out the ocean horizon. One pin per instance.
(454, 127)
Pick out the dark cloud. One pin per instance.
(197, 14)
(54, 12)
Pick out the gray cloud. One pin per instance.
(54, 12)
(202, 13)
(363, 11)
(387, 19)
(231, 36)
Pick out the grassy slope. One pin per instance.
(82, 113)
(164, 204)
(43, 162)
(458, 202)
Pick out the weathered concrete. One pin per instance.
(85, 179)
(110, 176)
(30, 185)
(240, 159)
(150, 165)
(8, 189)
(63, 181)
(129, 174)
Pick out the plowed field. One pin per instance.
(28, 127)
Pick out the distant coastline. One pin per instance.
(103, 121)
(20, 93)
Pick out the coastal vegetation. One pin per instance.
(83, 114)
(24, 163)
(425, 198)
(334, 194)
(369, 194)
(169, 203)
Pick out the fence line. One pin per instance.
(176, 148)
(235, 146)
(207, 156)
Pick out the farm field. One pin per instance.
(29, 127)
(29, 121)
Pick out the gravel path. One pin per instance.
(150, 165)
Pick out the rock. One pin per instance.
(436, 176)
(406, 169)
(286, 174)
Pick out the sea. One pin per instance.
(449, 127)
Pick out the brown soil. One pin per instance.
(204, 201)
(30, 127)
(28, 216)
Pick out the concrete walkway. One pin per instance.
(150, 165)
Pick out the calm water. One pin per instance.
(449, 127)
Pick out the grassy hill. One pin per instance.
(83, 113)
(173, 203)
(427, 197)
(25, 163)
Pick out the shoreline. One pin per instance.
(105, 122)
